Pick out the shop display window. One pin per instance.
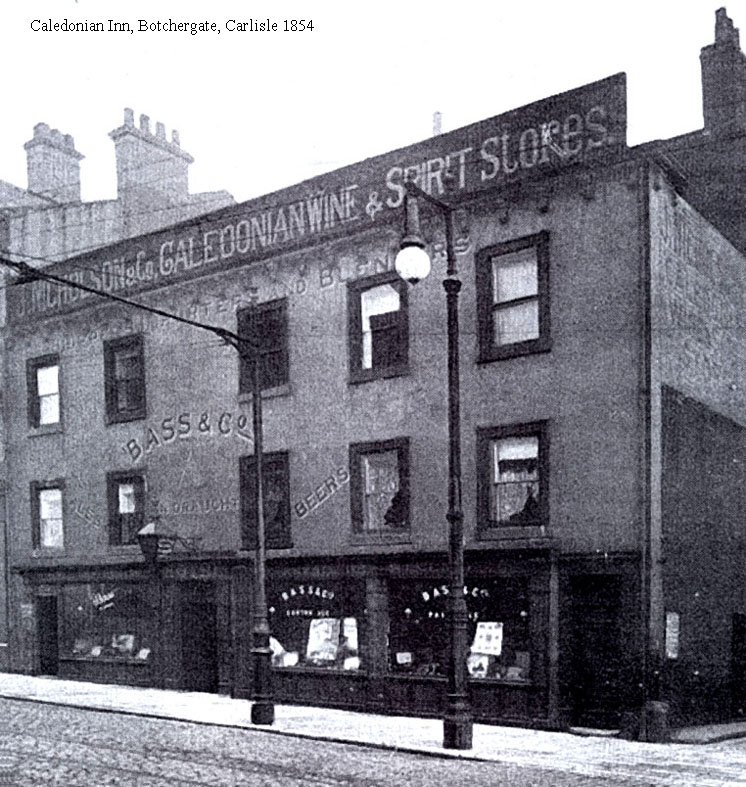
(317, 624)
(104, 621)
(498, 612)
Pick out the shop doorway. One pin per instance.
(199, 640)
(595, 689)
(46, 616)
(738, 666)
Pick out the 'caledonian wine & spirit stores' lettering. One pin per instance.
(550, 134)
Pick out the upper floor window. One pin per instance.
(276, 494)
(266, 324)
(512, 475)
(379, 487)
(43, 380)
(513, 298)
(126, 493)
(46, 515)
(378, 327)
(124, 374)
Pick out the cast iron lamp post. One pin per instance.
(262, 705)
(150, 536)
(413, 265)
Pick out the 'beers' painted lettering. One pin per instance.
(323, 491)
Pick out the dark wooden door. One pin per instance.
(199, 641)
(46, 614)
(595, 652)
(738, 665)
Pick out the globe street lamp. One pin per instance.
(413, 264)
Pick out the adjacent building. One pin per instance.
(48, 221)
(603, 407)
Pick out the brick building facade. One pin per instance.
(602, 436)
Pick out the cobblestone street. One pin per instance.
(50, 745)
(71, 747)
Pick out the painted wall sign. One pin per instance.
(322, 492)
(197, 506)
(673, 628)
(547, 135)
(85, 512)
(175, 428)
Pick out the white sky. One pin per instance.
(259, 111)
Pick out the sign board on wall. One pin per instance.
(672, 635)
(570, 128)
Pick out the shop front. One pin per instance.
(366, 634)
(321, 649)
(375, 637)
(125, 624)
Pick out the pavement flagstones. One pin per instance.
(686, 760)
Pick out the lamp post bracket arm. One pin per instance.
(415, 191)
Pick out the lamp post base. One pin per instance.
(262, 712)
(654, 722)
(262, 708)
(457, 727)
(457, 734)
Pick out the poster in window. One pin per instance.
(323, 639)
(488, 639)
(478, 665)
(123, 644)
(349, 632)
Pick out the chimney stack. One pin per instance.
(53, 165)
(152, 172)
(724, 79)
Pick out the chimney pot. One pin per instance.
(148, 168)
(175, 138)
(725, 33)
(129, 117)
(53, 164)
(724, 79)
